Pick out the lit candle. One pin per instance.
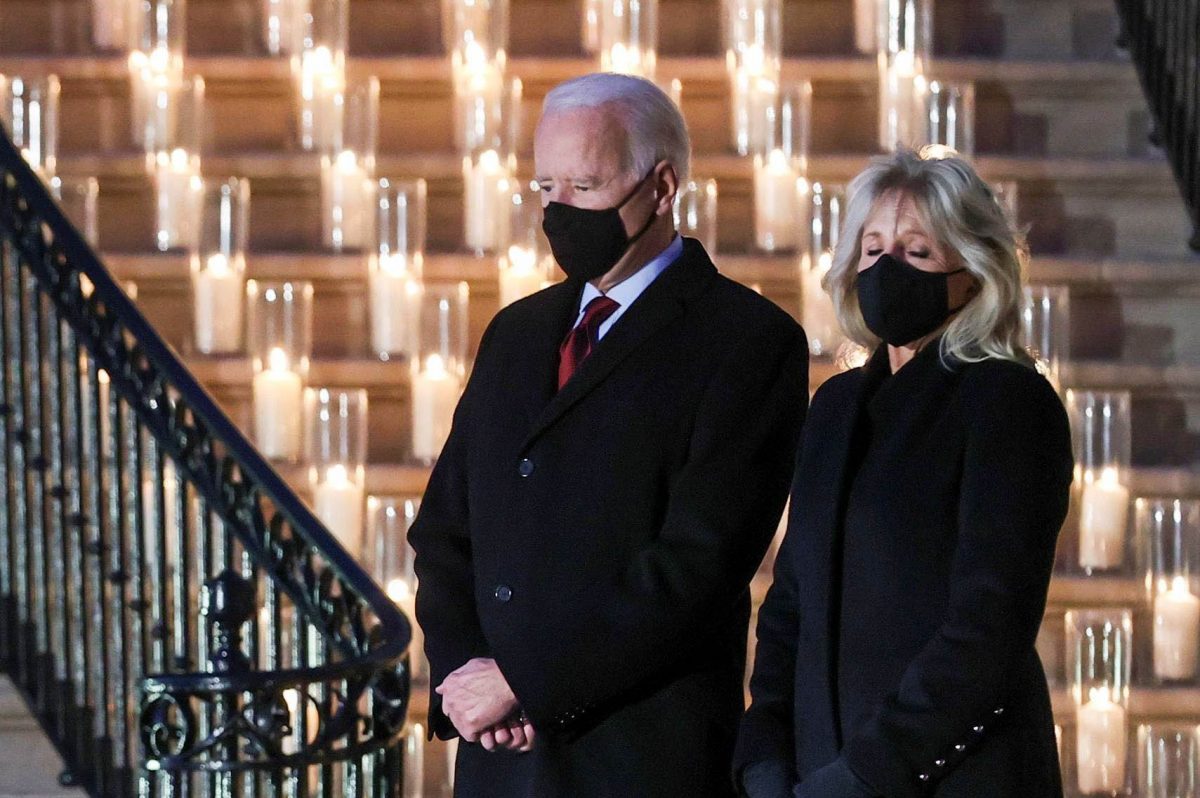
(820, 322)
(776, 211)
(487, 192)
(1104, 507)
(346, 200)
(395, 306)
(752, 95)
(435, 391)
(627, 59)
(1176, 631)
(322, 81)
(278, 408)
(111, 24)
(903, 88)
(217, 294)
(1100, 739)
(519, 275)
(414, 762)
(451, 760)
(179, 191)
(864, 25)
(404, 596)
(338, 502)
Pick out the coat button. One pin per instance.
(503, 593)
(525, 467)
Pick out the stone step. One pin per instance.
(1065, 108)
(1016, 28)
(29, 765)
(1116, 207)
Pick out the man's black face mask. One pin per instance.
(588, 243)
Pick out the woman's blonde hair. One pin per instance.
(965, 217)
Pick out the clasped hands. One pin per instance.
(484, 709)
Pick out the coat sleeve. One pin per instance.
(1016, 475)
(440, 537)
(766, 732)
(722, 508)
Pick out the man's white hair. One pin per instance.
(655, 126)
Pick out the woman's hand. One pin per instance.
(835, 780)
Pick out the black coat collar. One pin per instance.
(663, 301)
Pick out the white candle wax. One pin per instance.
(111, 24)
(217, 302)
(322, 82)
(776, 211)
(414, 762)
(752, 94)
(820, 322)
(487, 194)
(628, 59)
(1176, 631)
(345, 199)
(1104, 507)
(519, 275)
(278, 409)
(178, 190)
(1100, 740)
(903, 89)
(404, 595)
(451, 760)
(395, 308)
(864, 26)
(338, 502)
(435, 392)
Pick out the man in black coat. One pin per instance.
(615, 471)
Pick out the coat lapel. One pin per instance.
(542, 343)
(661, 303)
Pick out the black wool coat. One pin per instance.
(899, 631)
(598, 541)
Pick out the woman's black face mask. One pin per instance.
(901, 303)
(588, 243)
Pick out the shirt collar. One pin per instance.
(629, 289)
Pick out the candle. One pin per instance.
(752, 95)
(435, 391)
(628, 59)
(345, 197)
(395, 306)
(1176, 631)
(405, 597)
(487, 193)
(451, 760)
(217, 294)
(111, 26)
(820, 321)
(864, 26)
(903, 87)
(519, 275)
(322, 81)
(414, 762)
(1100, 740)
(776, 215)
(338, 502)
(179, 190)
(278, 408)
(1103, 510)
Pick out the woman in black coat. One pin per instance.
(896, 646)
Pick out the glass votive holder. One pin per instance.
(950, 117)
(1100, 429)
(29, 113)
(390, 561)
(279, 331)
(168, 111)
(283, 26)
(526, 266)
(752, 96)
(395, 265)
(178, 191)
(439, 372)
(1168, 529)
(479, 103)
(629, 37)
(1045, 325)
(824, 209)
(218, 266)
(780, 191)
(487, 188)
(1100, 645)
(475, 31)
(79, 199)
(336, 443)
(1168, 755)
(901, 99)
(346, 198)
(113, 23)
(696, 212)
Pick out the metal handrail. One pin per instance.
(341, 706)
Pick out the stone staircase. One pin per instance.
(29, 765)
(1058, 111)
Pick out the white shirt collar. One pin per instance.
(625, 292)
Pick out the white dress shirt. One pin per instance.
(625, 292)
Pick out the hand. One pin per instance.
(515, 734)
(835, 780)
(476, 697)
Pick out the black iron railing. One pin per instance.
(177, 619)
(1163, 38)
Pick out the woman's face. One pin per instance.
(895, 228)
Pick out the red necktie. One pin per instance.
(582, 339)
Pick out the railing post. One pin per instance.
(228, 602)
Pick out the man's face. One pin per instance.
(577, 158)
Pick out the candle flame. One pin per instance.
(337, 475)
(398, 590)
(434, 365)
(277, 360)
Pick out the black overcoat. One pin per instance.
(598, 541)
(899, 631)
